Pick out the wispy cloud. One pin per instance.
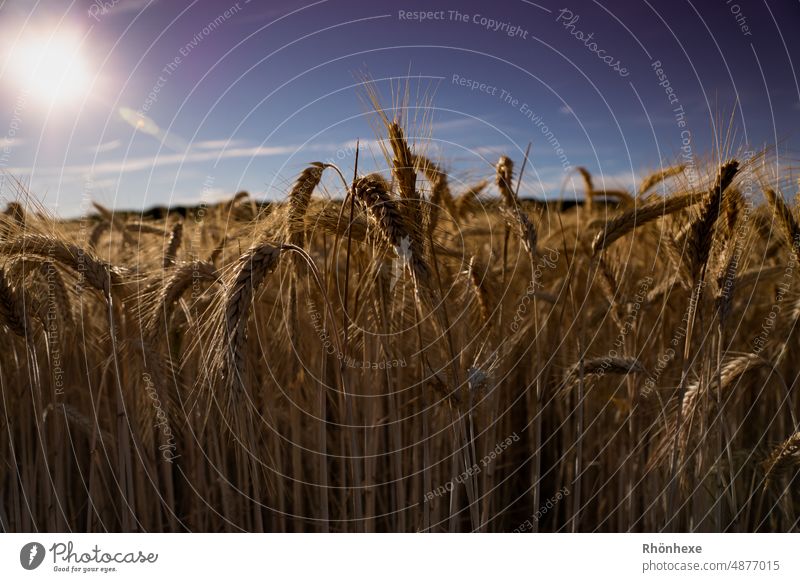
(139, 164)
(108, 146)
(489, 150)
(217, 144)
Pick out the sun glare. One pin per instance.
(50, 68)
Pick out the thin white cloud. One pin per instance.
(108, 146)
(489, 150)
(150, 162)
(217, 144)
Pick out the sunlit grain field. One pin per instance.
(397, 352)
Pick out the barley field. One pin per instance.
(402, 352)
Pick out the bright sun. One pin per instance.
(50, 68)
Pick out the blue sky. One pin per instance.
(178, 102)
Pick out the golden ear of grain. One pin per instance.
(705, 394)
(599, 367)
(466, 202)
(504, 178)
(609, 284)
(213, 257)
(591, 193)
(726, 279)
(624, 223)
(327, 219)
(479, 287)
(732, 202)
(587, 180)
(179, 281)
(113, 219)
(394, 230)
(440, 191)
(731, 371)
(786, 217)
(702, 232)
(658, 177)
(97, 273)
(97, 232)
(785, 455)
(588, 185)
(623, 198)
(250, 271)
(300, 198)
(404, 171)
(13, 220)
(175, 240)
(403, 168)
(517, 218)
